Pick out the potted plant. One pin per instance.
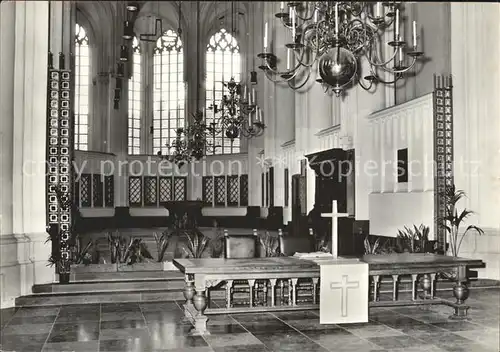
(196, 245)
(414, 240)
(162, 243)
(453, 220)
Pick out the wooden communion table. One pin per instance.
(281, 283)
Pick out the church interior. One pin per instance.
(249, 176)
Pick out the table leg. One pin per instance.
(433, 287)
(282, 291)
(414, 286)
(290, 291)
(273, 292)
(200, 320)
(375, 287)
(315, 281)
(189, 292)
(294, 291)
(395, 287)
(251, 284)
(229, 286)
(461, 293)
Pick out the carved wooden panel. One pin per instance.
(220, 190)
(443, 150)
(165, 189)
(243, 190)
(59, 156)
(208, 189)
(135, 190)
(97, 191)
(180, 190)
(85, 190)
(109, 191)
(150, 190)
(233, 190)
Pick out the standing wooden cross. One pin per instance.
(335, 228)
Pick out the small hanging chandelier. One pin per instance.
(190, 142)
(335, 35)
(239, 113)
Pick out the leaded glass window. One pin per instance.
(135, 101)
(168, 91)
(82, 88)
(222, 62)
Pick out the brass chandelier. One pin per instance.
(239, 113)
(190, 143)
(335, 35)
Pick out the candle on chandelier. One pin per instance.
(316, 16)
(414, 34)
(336, 18)
(401, 55)
(253, 95)
(288, 59)
(282, 6)
(265, 38)
(397, 24)
(250, 119)
(292, 10)
(260, 116)
(245, 92)
(377, 9)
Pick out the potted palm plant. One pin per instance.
(453, 220)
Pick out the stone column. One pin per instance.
(24, 31)
(475, 46)
(255, 145)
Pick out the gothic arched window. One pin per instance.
(168, 90)
(222, 63)
(82, 88)
(134, 101)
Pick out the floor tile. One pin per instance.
(289, 341)
(123, 324)
(311, 324)
(77, 316)
(296, 315)
(223, 340)
(169, 328)
(26, 329)
(457, 326)
(159, 306)
(389, 342)
(87, 331)
(372, 330)
(81, 346)
(244, 348)
(488, 337)
(122, 334)
(123, 315)
(168, 341)
(231, 328)
(126, 345)
(120, 307)
(49, 319)
(37, 312)
(28, 343)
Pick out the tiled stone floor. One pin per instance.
(157, 327)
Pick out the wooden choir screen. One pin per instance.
(225, 190)
(94, 191)
(155, 190)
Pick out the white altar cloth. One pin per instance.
(343, 291)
